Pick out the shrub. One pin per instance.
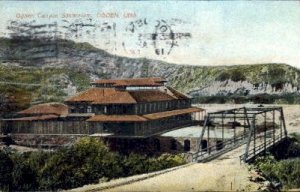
(290, 148)
(6, 167)
(24, 177)
(237, 76)
(286, 171)
(223, 76)
(87, 161)
(137, 164)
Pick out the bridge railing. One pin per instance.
(213, 151)
(260, 148)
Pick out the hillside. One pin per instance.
(69, 66)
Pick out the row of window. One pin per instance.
(142, 108)
(145, 108)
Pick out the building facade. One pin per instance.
(114, 108)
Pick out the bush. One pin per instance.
(223, 76)
(290, 148)
(168, 160)
(6, 167)
(287, 172)
(283, 165)
(137, 164)
(237, 76)
(87, 161)
(24, 177)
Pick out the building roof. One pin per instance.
(165, 114)
(33, 118)
(141, 118)
(117, 118)
(150, 95)
(177, 94)
(150, 81)
(116, 96)
(80, 115)
(103, 96)
(46, 108)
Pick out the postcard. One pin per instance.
(149, 95)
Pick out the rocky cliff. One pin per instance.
(64, 60)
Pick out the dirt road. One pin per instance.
(224, 174)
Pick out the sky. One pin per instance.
(183, 32)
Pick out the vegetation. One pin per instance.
(5, 171)
(189, 78)
(43, 85)
(289, 98)
(283, 163)
(285, 172)
(88, 161)
(185, 78)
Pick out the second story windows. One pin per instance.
(89, 109)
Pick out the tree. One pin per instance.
(6, 168)
(24, 177)
(86, 162)
(237, 76)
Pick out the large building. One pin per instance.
(116, 108)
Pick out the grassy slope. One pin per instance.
(30, 75)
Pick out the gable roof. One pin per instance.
(46, 108)
(103, 96)
(34, 118)
(177, 94)
(150, 81)
(116, 96)
(150, 96)
(164, 114)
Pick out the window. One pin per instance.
(173, 144)
(89, 109)
(187, 145)
(72, 109)
(139, 108)
(81, 109)
(204, 145)
(157, 144)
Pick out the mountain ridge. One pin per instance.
(93, 63)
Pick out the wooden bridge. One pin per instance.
(257, 129)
